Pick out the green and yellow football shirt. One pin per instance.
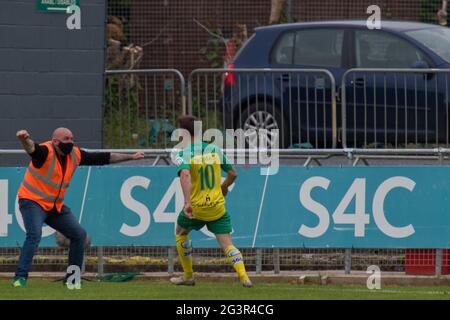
(204, 162)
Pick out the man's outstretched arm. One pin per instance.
(120, 157)
(104, 158)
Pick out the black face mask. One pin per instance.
(65, 148)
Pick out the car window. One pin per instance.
(319, 47)
(283, 53)
(376, 49)
(437, 39)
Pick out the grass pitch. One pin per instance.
(204, 290)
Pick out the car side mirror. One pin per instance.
(420, 65)
(423, 65)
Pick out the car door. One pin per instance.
(388, 109)
(307, 96)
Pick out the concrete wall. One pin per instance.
(51, 76)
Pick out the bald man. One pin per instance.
(41, 194)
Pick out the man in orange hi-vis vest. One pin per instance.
(41, 194)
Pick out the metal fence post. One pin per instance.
(189, 95)
(276, 260)
(171, 260)
(100, 261)
(350, 159)
(83, 266)
(440, 158)
(348, 260)
(184, 104)
(438, 262)
(438, 270)
(258, 261)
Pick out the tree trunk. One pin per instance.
(276, 10)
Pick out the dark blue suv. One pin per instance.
(382, 108)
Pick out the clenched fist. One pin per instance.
(138, 156)
(22, 135)
(188, 212)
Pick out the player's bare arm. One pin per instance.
(229, 180)
(25, 140)
(186, 186)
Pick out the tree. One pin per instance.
(276, 11)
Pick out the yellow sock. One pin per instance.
(234, 257)
(184, 249)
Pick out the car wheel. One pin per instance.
(254, 119)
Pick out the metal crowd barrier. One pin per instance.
(380, 108)
(141, 107)
(395, 108)
(300, 103)
(303, 157)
